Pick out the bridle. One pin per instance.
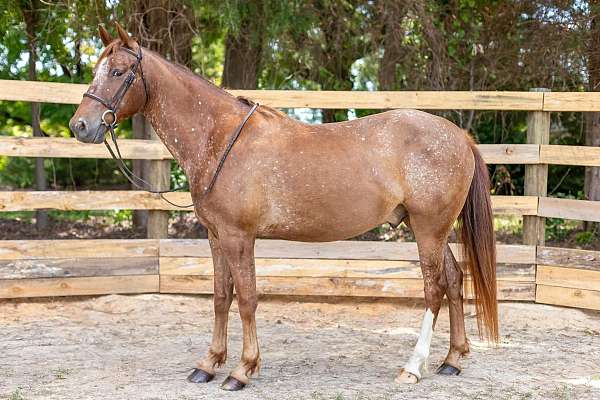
(113, 105)
(112, 108)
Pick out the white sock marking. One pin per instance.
(421, 352)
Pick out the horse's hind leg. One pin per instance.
(223, 296)
(431, 235)
(459, 345)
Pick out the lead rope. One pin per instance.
(132, 178)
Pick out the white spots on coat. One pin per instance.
(397, 151)
(101, 73)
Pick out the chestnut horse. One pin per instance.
(289, 180)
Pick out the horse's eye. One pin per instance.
(116, 72)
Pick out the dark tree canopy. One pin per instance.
(319, 44)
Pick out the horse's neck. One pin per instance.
(191, 116)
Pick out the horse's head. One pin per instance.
(117, 92)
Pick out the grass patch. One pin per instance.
(583, 238)
(16, 395)
(509, 224)
(559, 229)
(61, 373)
(113, 216)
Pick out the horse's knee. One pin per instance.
(454, 289)
(222, 302)
(435, 287)
(433, 297)
(247, 303)
(454, 276)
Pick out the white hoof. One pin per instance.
(405, 377)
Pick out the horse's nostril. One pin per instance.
(80, 125)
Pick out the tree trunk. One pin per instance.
(592, 136)
(166, 27)
(139, 217)
(31, 15)
(242, 56)
(392, 13)
(336, 59)
(436, 42)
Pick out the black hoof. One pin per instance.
(199, 376)
(231, 384)
(447, 369)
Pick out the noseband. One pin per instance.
(112, 107)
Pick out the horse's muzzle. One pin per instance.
(86, 131)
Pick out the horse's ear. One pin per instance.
(124, 36)
(104, 35)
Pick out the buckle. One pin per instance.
(114, 118)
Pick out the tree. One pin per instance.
(592, 137)
(166, 27)
(243, 47)
(31, 11)
(391, 14)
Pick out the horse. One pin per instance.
(279, 178)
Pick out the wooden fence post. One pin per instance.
(139, 167)
(159, 175)
(536, 176)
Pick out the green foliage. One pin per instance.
(583, 238)
(511, 225)
(16, 172)
(61, 373)
(121, 216)
(558, 229)
(323, 44)
(17, 394)
(178, 178)
(208, 56)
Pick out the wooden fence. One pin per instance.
(527, 272)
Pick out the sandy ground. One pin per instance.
(142, 347)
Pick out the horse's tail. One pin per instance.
(479, 247)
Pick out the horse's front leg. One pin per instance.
(223, 295)
(238, 250)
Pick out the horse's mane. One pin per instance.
(241, 99)
(115, 45)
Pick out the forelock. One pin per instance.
(112, 47)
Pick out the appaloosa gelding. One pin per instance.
(289, 180)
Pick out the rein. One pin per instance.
(112, 107)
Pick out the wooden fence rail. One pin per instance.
(69, 93)
(141, 200)
(38, 268)
(350, 268)
(56, 268)
(151, 150)
(136, 149)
